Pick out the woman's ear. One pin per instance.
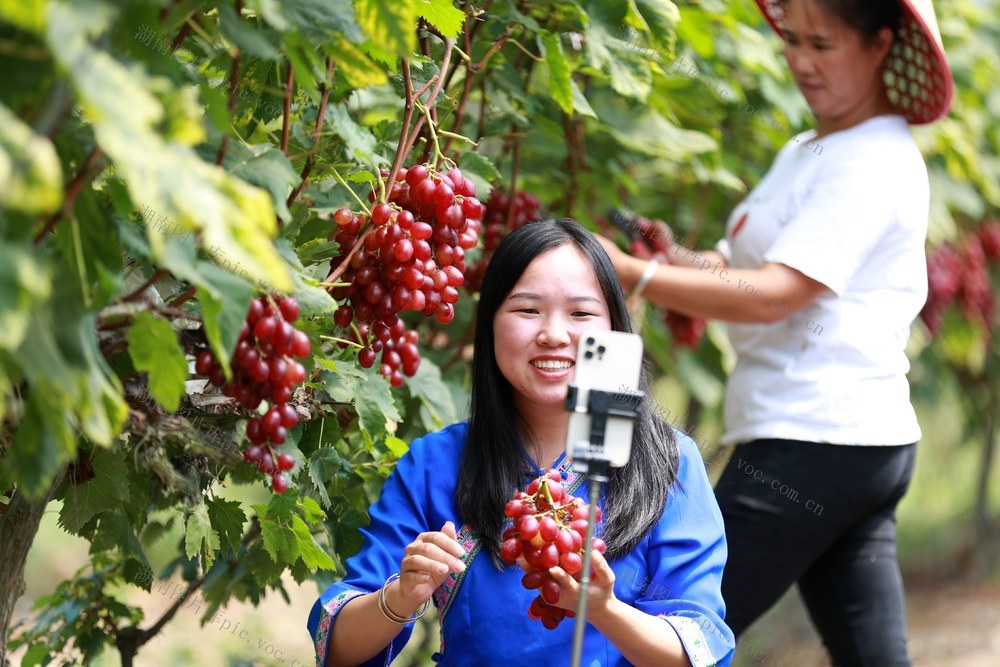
(882, 44)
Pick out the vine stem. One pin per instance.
(286, 122)
(317, 132)
(341, 340)
(340, 179)
(73, 190)
(234, 82)
(404, 135)
(135, 295)
(430, 99)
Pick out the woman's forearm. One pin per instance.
(763, 295)
(681, 256)
(641, 638)
(360, 631)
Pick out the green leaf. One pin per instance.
(354, 65)
(150, 140)
(267, 167)
(659, 16)
(24, 281)
(311, 553)
(370, 393)
(26, 14)
(43, 443)
(310, 510)
(225, 301)
(276, 530)
(250, 40)
(323, 464)
(106, 491)
(359, 141)
(443, 15)
(580, 103)
(30, 172)
(317, 250)
(397, 446)
(116, 534)
(433, 393)
(390, 23)
(200, 537)
(153, 347)
(228, 517)
(559, 71)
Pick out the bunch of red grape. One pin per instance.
(264, 369)
(522, 208)
(411, 258)
(549, 528)
(961, 274)
(653, 244)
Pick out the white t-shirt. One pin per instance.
(849, 211)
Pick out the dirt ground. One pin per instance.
(950, 625)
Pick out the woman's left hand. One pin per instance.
(600, 589)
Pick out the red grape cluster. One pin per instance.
(264, 369)
(549, 528)
(961, 274)
(411, 258)
(988, 232)
(653, 244)
(523, 207)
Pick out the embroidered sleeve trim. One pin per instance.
(695, 643)
(327, 613)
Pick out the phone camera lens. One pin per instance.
(601, 349)
(590, 340)
(588, 355)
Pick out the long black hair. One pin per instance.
(492, 465)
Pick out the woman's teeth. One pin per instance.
(551, 365)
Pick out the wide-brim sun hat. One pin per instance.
(917, 77)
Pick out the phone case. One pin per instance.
(609, 361)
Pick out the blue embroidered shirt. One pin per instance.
(675, 573)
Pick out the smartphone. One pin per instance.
(609, 361)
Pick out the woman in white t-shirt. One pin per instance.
(820, 275)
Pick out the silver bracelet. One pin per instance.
(390, 614)
(647, 275)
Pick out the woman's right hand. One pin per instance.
(427, 562)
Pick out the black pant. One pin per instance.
(824, 516)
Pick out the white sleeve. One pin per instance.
(840, 222)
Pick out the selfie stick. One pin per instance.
(590, 460)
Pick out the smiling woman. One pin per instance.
(435, 533)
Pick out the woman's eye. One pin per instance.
(530, 311)
(581, 313)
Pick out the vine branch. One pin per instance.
(73, 189)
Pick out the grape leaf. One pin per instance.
(310, 510)
(559, 71)
(267, 167)
(23, 281)
(153, 347)
(30, 171)
(443, 15)
(150, 140)
(323, 463)
(370, 393)
(390, 23)
(200, 537)
(311, 553)
(228, 517)
(107, 490)
(354, 65)
(225, 300)
(427, 386)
